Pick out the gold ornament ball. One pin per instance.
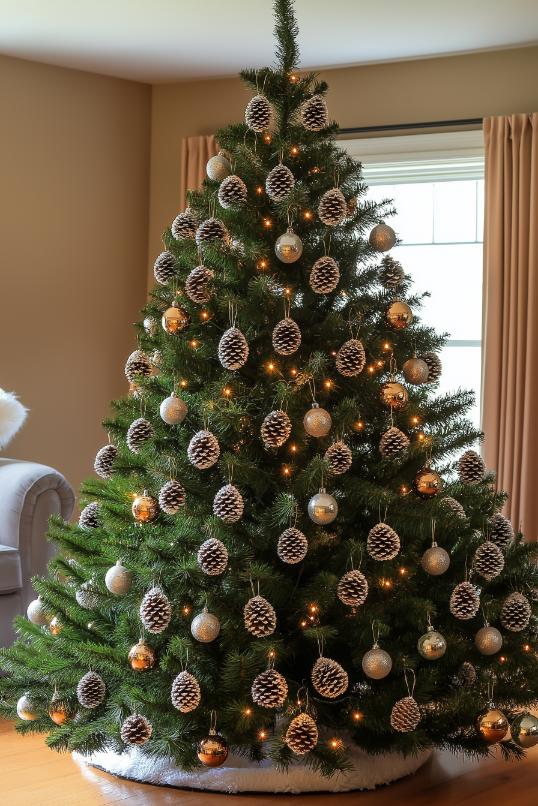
(492, 725)
(399, 315)
(415, 371)
(382, 237)
(435, 560)
(432, 645)
(59, 711)
(322, 508)
(428, 483)
(212, 750)
(524, 730)
(218, 167)
(288, 247)
(141, 657)
(205, 627)
(488, 640)
(145, 508)
(394, 395)
(26, 709)
(376, 663)
(55, 626)
(317, 421)
(173, 410)
(175, 319)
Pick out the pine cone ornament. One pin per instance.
(393, 444)
(314, 115)
(91, 690)
(488, 560)
(466, 675)
(258, 113)
(286, 337)
(324, 275)
(292, 546)
(136, 730)
(350, 358)
(454, 506)
(269, 689)
(172, 497)
(405, 715)
(339, 458)
(213, 557)
(155, 611)
(210, 230)
(138, 433)
(276, 429)
(233, 349)
(90, 517)
(352, 588)
(501, 531)
(137, 366)
(471, 467)
(301, 735)
(391, 274)
(435, 367)
(203, 450)
(383, 542)
(164, 268)
(279, 182)
(464, 601)
(184, 225)
(259, 617)
(329, 678)
(515, 612)
(232, 193)
(185, 693)
(104, 461)
(198, 285)
(228, 504)
(87, 596)
(332, 208)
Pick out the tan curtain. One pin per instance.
(510, 355)
(195, 152)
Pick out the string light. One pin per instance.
(303, 623)
(357, 716)
(404, 489)
(421, 436)
(262, 264)
(267, 138)
(334, 353)
(204, 316)
(415, 420)
(527, 647)
(387, 346)
(271, 654)
(386, 583)
(315, 170)
(259, 190)
(194, 344)
(313, 608)
(271, 367)
(183, 383)
(247, 712)
(328, 384)
(308, 215)
(227, 392)
(294, 78)
(358, 425)
(371, 369)
(293, 448)
(335, 743)
(294, 151)
(288, 291)
(262, 734)
(380, 363)
(267, 222)
(286, 470)
(185, 610)
(293, 372)
(402, 571)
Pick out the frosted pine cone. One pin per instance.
(464, 601)
(391, 274)
(232, 192)
(155, 611)
(324, 275)
(90, 517)
(466, 674)
(172, 497)
(471, 467)
(454, 506)
(301, 735)
(198, 285)
(138, 433)
(332, 208)
(314, 115)
(383, 542)
(435, 367)
(233, 349)
(164, 267)
(286, 337)
(329, 678)
(185, 693)
(276, 429)
(488, 560)
(258, 113)
(136, 730)
(213, 557)
(269, 689)
(292, 546)
(212, 229)
(501, 531)
(338, 457)
(393, 444)
(87, 596)
(352, 588)
(91, 690)
(104, 461)
(137, 366)
(279, 183)
(515, 612)
(203, 450)
(350, 358)
(228, 504)
(184, 225)
(405, 715)
(259, 617)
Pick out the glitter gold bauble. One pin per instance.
(205, 627)
(145, 508)
(317, 421)
(59, 711)
(432, 645)
(415, 371)
(288, 247)
(524, 730)
(173, 410)
(55, 626)
(26, 709)
(382, 237)
(399, 315)
(212, 750)
(492, 725)
(175, 319)
(141, 657)
(435, 560)
(488, 640)
(394, 395)
(428, 483)
(376, 663)
(322, 508)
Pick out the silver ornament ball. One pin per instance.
(288, 247)
(376, 663)
(205, 627)
(488, 640)
(432, 645)
(317, 421)
(118, 579)
(26, 709)
(173, 410)
(435, 560)
(218, 167)
(524, 730)
(36, 613)
(322, 508)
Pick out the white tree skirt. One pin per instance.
(241, 775)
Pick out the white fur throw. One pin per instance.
(12, 416)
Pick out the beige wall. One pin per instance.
(74, 154)
(476, 85)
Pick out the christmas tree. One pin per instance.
(282, 544)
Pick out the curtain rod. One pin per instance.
(396, 127)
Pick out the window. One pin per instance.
(436, 183)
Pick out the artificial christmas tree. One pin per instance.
(282, 418)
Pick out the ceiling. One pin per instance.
(167, 40)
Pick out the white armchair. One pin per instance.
(29, 494)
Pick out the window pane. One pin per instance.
(414, 206)
(454, 211)
(480, 210)
(461, 370)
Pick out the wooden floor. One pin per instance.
(32, 775)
